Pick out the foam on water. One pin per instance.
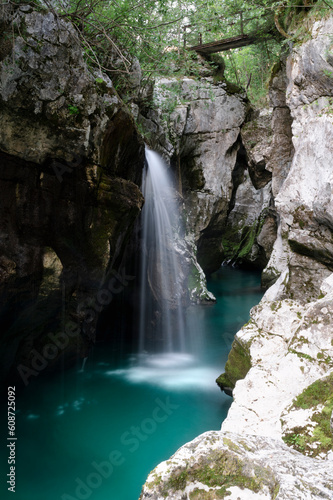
(169, 371)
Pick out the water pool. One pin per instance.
(98, 433)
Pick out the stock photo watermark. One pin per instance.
(11, 445)
(60, 340)
(60, 169)
(131, 440)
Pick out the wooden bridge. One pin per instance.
(242, 39)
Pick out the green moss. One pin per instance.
(193, 281)
(250, 322)
(219, 470)
(301, 354)
(218, 64)
(157, 481)
(178, 480)
(231, 445)
(232, 88)
(295, 439)
(199, 494)
(316, 393)
(223, 382)
(238, 242)
(302, 216)
(303, 438)
(237, 366)
(275, 491)
(276, 68)
(275, 306)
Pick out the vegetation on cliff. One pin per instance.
(157, 33)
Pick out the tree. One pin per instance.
(114, 31)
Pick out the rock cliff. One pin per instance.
(196, 126)
(280, 366)
(70, 167)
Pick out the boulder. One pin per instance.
(233, 466)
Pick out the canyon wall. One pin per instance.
(70, 169)
(197, 126)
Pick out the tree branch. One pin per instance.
(277, 23)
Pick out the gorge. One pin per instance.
(254, 190)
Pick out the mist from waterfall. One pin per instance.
(162, 312)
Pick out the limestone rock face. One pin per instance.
(229, 465)
(257, 137)
(290, 353)
(289, 337)
(304, 201)
(250, 229)
(70, 165)
(196, 126)
(69, 115)
(282, 149)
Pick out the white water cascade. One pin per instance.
(162, 309)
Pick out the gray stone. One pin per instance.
(196, 127)
(233, 466)
(282, 149)
(256, 138)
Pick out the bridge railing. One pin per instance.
(239, 24)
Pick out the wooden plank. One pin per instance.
(225, 44)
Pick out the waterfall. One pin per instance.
(162, 309)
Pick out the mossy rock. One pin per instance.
(276, 69)
(309, 440)
(218, 63)
(194, 281)
(238, 243)
(219, 470)
(237, 366)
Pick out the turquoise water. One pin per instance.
(97, 434)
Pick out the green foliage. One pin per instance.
(112, 32)
(295, 440)
(74, 110)
(315, 438)
(250, 68)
